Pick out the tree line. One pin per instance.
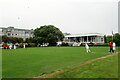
(115, 38)
(51, 34)
(13, 40)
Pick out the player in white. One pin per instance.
(10, 46)
(24, 46)
(87, 48)
(114, 45)
(14, 46)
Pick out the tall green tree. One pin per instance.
(116, 39)
(6, 39)
(108, 39)
(48, 34)
(29, 40)
(105, 38)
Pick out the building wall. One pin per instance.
(14, 32)
(86, 39)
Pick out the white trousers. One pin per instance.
(88, 50)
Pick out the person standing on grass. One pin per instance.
(114, 45)
(87, 48)
(10, 46)
(14, 46)
(111, 47)
(24, 46)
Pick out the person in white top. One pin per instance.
(24, 46)
(14, 46)
(87, 48)
(10, 46)
(114, 45)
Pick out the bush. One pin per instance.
(106, 44)
(32, 44)
(64, 44)
(20, 46)
(14, 40)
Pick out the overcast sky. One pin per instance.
(73, 16)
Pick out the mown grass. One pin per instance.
(104, 68)
(31, 62)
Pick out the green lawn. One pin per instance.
(104, 68)
(32, 62)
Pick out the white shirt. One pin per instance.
(86, 46)
(114, 46)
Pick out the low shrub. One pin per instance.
(64, 44)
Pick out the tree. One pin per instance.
(48, 34)
(108, 39)
(116, 39)
(4, 39)
(67, 34)
(14, 40)
(29, 40)
(19, 40)
(105, 38)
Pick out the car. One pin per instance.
(5, 46)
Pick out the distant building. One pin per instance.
(85, 38)
(15, 32)
(65, 34)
